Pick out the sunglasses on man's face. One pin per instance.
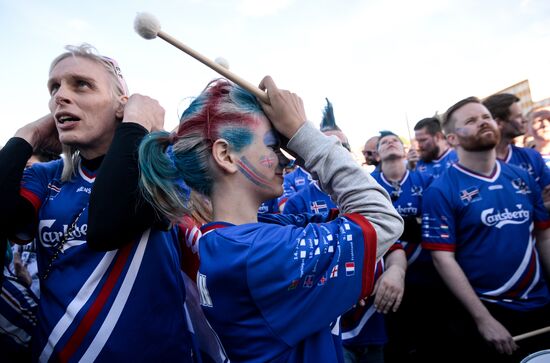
(369, 153)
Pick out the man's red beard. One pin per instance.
(478, 141)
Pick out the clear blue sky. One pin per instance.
(376, 60)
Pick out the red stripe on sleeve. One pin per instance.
(31, 197)
(438, 246)
(369, 258)
(396, 246)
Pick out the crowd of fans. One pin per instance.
(208, 244)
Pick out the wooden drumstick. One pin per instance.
(148, 27)
(530, 334)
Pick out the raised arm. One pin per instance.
(16, 212)
(117, 213)
(340, 176)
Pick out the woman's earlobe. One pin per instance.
(223, 156)
(119, 113)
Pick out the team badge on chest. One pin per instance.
(521, 186)
(470, 195)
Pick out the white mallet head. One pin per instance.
(222, 62)
(146, 25)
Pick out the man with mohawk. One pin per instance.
(311, 199)
(363, 330)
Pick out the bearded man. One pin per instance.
(487, 228)
(434, 155)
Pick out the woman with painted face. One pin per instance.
(127, 301)
(272, 286)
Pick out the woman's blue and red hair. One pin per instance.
(222, 111)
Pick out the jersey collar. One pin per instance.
(491, 178)
(447, 152)
(401, 182)
(508, 156)
(209, 227)
(85, 173)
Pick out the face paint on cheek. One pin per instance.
(268, 161)
(461, 131)
(246, 168)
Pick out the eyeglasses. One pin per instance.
(369, 153)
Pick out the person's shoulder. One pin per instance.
(441, 187)
(451, 157)
(418, 177)
(301, 194)
(512, 169)
(246, 234)
(534, 155)
(278, 219)
(445, 177)
(49, 165)
(50, 168)
(531, 153)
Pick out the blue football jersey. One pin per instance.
(269, 206)
(530, 160)
(311, 199)
(407, 200)
(274, 291)
(294, 182)
(363, 325)
(489, 224)
(546, 159)
(120, 305)
(436, 167)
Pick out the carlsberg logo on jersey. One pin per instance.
(408, 210)
(501, 218)
(50, 237)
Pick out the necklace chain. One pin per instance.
(60, 245)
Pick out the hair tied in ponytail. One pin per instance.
(184, 188)
(172, 138)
